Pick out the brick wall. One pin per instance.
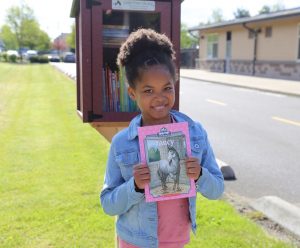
(280, 69)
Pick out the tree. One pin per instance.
(278, 6)
(71, 39)
(44, 41)
(216, 16)
(265, 10)
(186, 39)
(8, 38)
(33, 37)
(268, 9)
(15, 19)
(241, 13)
(26, 29)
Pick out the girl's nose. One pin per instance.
(160, 96)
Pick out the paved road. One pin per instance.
(255, 132)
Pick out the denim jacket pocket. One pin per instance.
(126, 161)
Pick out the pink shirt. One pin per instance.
(173, 224)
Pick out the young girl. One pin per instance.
(148, 58)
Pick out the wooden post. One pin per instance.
(108, 130)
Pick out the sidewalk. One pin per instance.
(282, 86)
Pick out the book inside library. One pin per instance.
(117, 25)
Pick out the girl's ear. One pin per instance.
(131, 93)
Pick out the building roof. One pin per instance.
(273, 15)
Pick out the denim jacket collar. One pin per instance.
(136, 122)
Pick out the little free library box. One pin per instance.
(101, 27)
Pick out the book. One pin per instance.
(114, 35)
(114, 91)
(164, 149)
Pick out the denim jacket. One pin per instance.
(137, 220)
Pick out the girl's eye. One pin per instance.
(148, 91)
(169, 88)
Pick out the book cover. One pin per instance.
(164, 149)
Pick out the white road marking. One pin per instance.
(286, 121)
(216, 102)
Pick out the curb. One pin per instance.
(227, 171)
(70, 75)
(241, 86)
(280, 211)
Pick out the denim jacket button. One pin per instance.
(197, 146)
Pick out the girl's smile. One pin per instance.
(155, 94)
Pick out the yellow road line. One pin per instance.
(286, 121)
(216, 102)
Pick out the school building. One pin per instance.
(266, 45)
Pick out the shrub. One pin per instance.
(39, 59)
(4, 56)
(33, 59)
(1, 56)
(43, 59)
(12, 58)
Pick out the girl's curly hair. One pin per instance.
(144, 48)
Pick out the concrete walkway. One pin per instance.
(67, 68)
(288, 87)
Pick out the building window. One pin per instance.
(212, 46)
(268, 33)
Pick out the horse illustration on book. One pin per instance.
(170, 168)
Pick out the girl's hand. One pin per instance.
(193, 168)
(141, 174)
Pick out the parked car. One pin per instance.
(12, 52)
(53, 58)
(12, 56)
(31, 53)
(69, 58)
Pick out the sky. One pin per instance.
(53, 15)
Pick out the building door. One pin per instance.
(228, 52)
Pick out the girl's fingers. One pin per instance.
(142, 172)
(192, 165)
(192, 171)
(191, 159)
(140, 167)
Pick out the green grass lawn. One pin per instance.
(52, 169)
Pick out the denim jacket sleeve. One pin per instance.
(117, 195)
(211, 183)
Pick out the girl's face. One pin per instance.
(154, 93)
